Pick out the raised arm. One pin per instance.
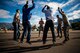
(43, 8)
(27, 2)
(59, 10)
(32, 6)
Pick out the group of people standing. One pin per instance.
(48, 24)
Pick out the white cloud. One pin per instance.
(68, 3)
(73, 8)
(54, 6)
(74, 15)
(4, 14)
(22, 2)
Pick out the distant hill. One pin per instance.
(10, 26)
(75, 20)
(6, 25)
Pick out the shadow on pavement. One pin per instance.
(20, 49)
(24, 49)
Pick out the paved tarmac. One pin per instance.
(8, 45)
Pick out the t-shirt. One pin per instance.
(48, 14)
(59, 21)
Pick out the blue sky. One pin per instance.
(8, 7)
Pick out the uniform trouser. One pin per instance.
(59, 30)
(66, 32)
(15, 31)
(26, 28)
(49, 23)
(40, 29)
(18, 33)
